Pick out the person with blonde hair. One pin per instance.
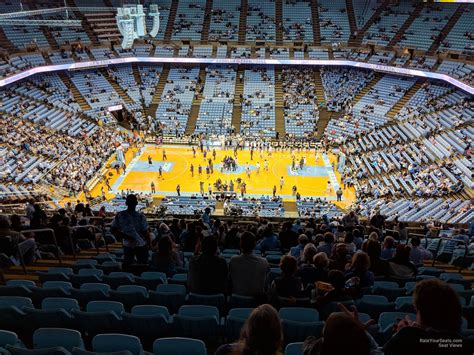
(260, 335)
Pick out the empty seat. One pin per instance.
(179, 346)
(117, 342)
(148, 321)
(116, 279)
(201, 322)
(52, 337)
(299, 323)
(374, 305)
(9, 338)
(67, 304)
(99, 317)
(151, 279)
(170, 296)
(389, 289)
(294, 349)
(66, 286)
(130, 295)
(18, 302)
(217, 300)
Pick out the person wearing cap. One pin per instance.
(131, 227)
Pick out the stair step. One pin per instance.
(243, 21)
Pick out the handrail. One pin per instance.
(94, 227)
(47, 230)
(466, 250)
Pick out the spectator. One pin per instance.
(350, 220)
(317, 272)
(269, 241)
(356, 340)
(418, 253)
(165, 258)
(202, 266)
(360, 268)
(298, 250)
(288, 285)
(378, 266)
(26, 246)
(377, 221)
(260, 335)
(388, 248)
(400, 265)
(438, 317)
(349, 242)
(340, 258)
(337, 294)
(131, 227)
(327, 245)
(288, 238)
(246, 264)
(309, 252)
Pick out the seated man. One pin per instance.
(436, 329)
(26, 246)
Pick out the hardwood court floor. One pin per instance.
(311, 181)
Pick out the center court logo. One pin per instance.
(167, 167)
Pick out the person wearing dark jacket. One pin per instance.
(207, 272)
(288, 285)
(400, 265)
(436, 329)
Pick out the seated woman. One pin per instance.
(165, 258)
(261, 334)
(359, 268)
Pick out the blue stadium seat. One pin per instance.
(180, 279)
(374, 305)
(66, 286)
(55, 274)
(16, 291)
(130, 295)
(99, 317)
(217, 300)
(67, 304)
(24, 283)
(200, 322)
(148, 321)
(235, 321)
(91, 292)
(117, 342)
(116, 279)
(299, 323)
(432, 271)
(294, 349)
(110, 266)
(84, 264)
(168, 295)
(386, 321)
(151, 279)
(86, 276)
(9, 338)
(179, 346)
(239, 301)
(389, 289)
(47, 318)
(52, 337)
(404, 304)
(18, 302)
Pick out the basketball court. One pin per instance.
(311, 180)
